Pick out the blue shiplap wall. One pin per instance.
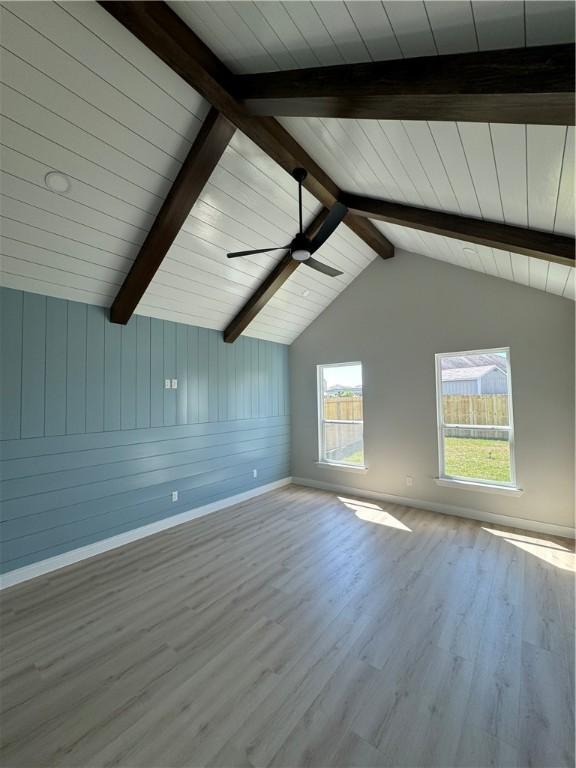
(92, 442)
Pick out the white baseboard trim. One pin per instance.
(564, 531)
(27, 572)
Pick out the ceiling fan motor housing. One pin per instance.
(300, 248)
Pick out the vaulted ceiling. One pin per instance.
(267, 36)
(83, 96)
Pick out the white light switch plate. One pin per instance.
(166, 383)
(174, 383)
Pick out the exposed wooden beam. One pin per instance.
(206, 151)
(162, 30)
(518, 85)
(531, 242)
(262, 295)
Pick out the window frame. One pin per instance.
(321, 420)
(443, 477)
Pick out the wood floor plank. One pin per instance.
(477, 748)
(301, 628)
(354, 752)
(319, 733)
(494, 700)
(546, 710)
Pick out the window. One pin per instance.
(340, 414)
(475, 426)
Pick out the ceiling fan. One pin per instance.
(302, 247)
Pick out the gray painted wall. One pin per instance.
(394, 317)
(92, 443)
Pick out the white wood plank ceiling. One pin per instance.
(521, 175)
(83, 96)
(517, 174)
(268, 35)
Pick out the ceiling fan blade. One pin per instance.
(235, 254)
(337, 213)
(324, 268)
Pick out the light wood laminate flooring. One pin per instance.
(300, 628)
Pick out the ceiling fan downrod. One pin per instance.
(300, 247)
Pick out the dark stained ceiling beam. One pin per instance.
(530, 242)
(205, 153)
(517, 85)
(275, 280)
(164, 33)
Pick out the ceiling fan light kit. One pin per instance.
(302, 248)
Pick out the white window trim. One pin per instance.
(472, 483)
(360, 468)
(320, 406)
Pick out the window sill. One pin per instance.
(344, 467)
(466, 485)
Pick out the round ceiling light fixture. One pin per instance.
(300, 248)
(57, 182)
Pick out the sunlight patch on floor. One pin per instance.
(549, 551)
(373, 513)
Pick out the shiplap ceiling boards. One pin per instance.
(82, 96)
(266, 36)
(520, 175)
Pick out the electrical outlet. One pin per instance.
(409, 481)
(254, 473)
(174, 383)
(166, 383)
(174, 495)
